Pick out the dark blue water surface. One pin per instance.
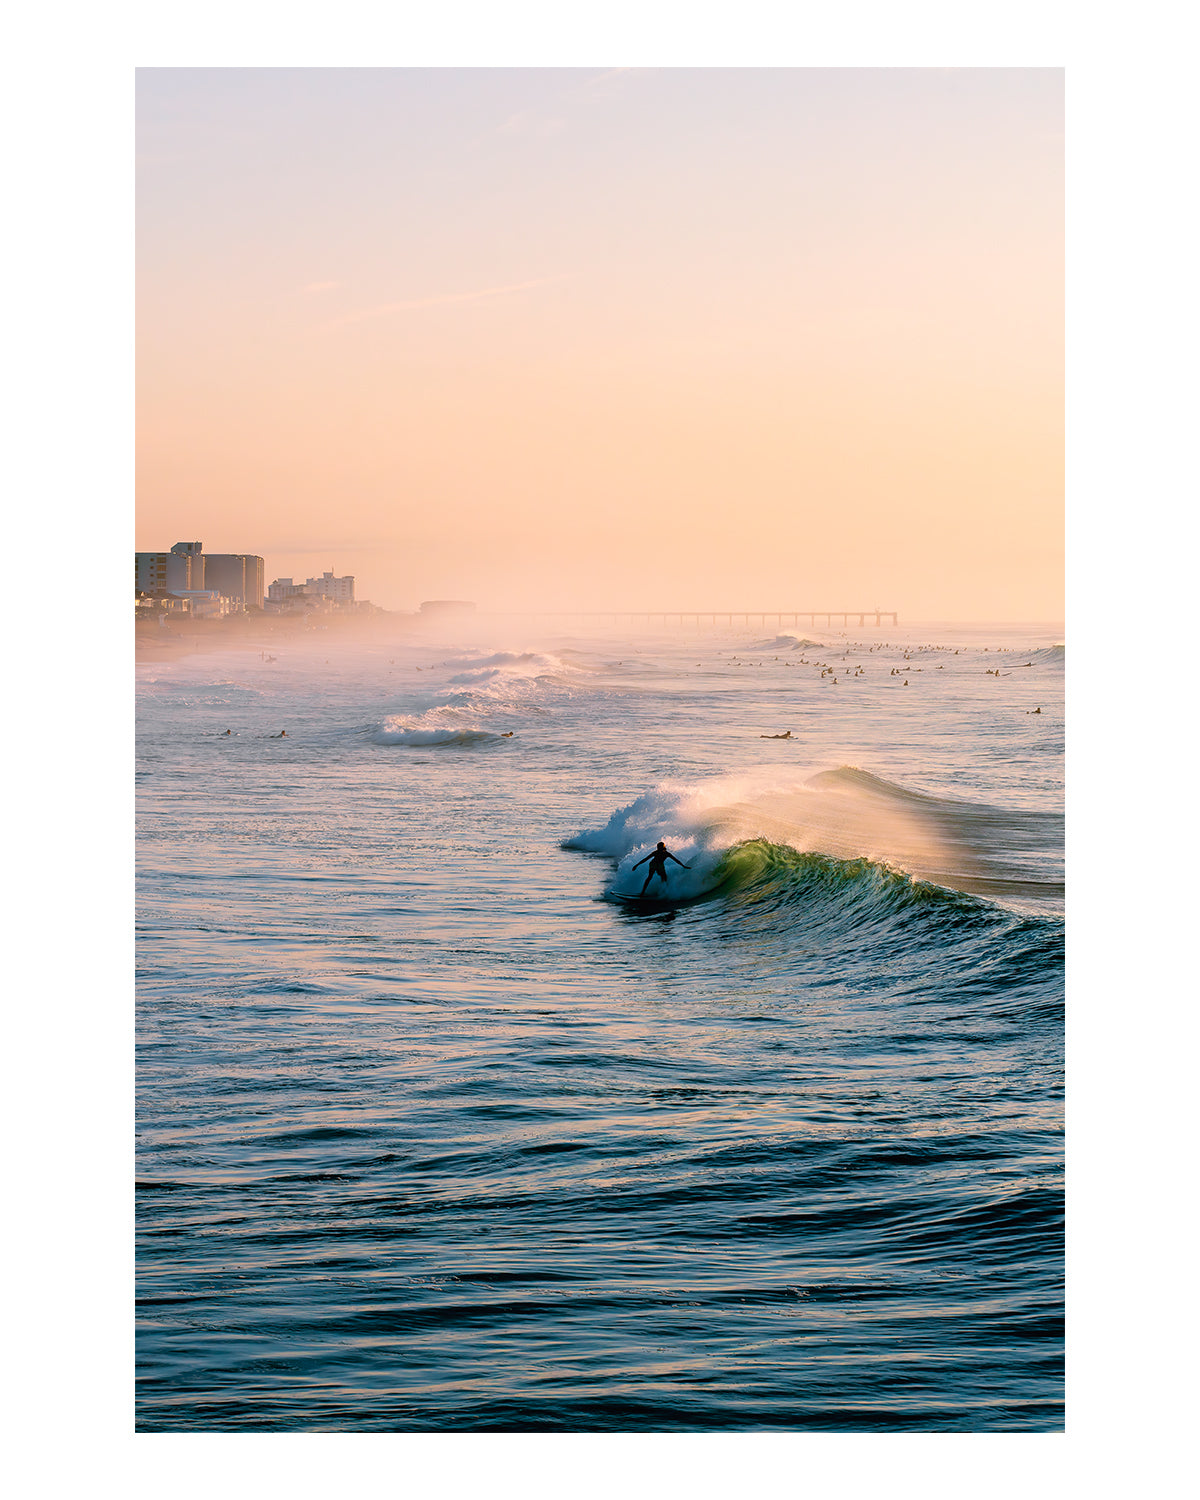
(437, 1133)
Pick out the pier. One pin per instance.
(714, 616)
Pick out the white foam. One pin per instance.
(682, 816)
(508, 663)
(790, 641)
(440, 725)
(846, 814)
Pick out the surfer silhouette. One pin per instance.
(658, 864)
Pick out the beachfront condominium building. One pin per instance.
(239, 577)
(336, 590)
(172, 572)
(340, 590)
(186, 559)
(150, 573)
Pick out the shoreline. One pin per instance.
(154, 642)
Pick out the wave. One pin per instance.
(1052, 655)
(865, 927)
(1048, 656)
(397, 730)
(512, 659)
(846, 814)
(500, 685)
(532, 665)
(788, 640)
(759, 866)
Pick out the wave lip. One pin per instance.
(1054, 656)
(845, 814)
(788, 640)
(528, 665)
(397, 730)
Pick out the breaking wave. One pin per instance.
(398, 730)
(1050, 655)
(846, 815)
(789, 641)
(499, 665)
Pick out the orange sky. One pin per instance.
(673, 338)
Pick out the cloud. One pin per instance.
(607, 83)
(612, 81)
(320, 286)
(530, 122)
(385, 309)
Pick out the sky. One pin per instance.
(609, 338)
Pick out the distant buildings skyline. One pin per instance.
(217, 583)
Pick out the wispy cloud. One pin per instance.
(593, 87)
(320, 286)
(612, 81)
(531, 122)
(385, 309)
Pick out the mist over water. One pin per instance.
(442, 1128)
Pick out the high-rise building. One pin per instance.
(256, 587)
(185, 567)
(237, 576)
(171, 572)
(150, 573)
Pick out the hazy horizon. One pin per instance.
(610, 338)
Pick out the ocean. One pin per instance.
(442, 1128)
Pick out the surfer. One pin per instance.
(658, 864)
(786, 736)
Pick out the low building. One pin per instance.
(447, 607)
(203, 604)
(280, 589)
(336, 590)
(301, 603)
(157, 606)
(340, 590)
(199, 604)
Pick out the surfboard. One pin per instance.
(662, 902)
(649, 903)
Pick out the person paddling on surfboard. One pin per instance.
(658, 864)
